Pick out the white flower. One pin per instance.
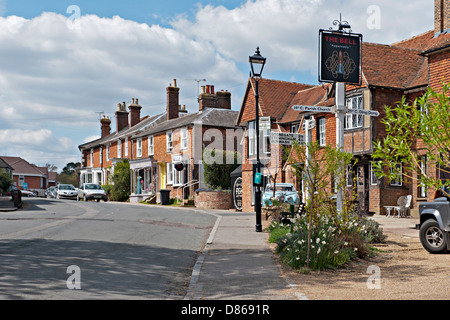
(324, 242)
(317, 240)
(345, 243)
(336, 252)
(318, 251)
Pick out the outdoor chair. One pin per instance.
(403, 206)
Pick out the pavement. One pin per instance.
(237, 262)
(6, 204)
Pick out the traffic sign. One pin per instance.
(312, 108)
(286, 138)
(370, 113)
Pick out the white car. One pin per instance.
(65, 191)
(91, 191)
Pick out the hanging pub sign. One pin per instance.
(339, 57)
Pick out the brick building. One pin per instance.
(154, 144)
(389, 72)
(27, 176)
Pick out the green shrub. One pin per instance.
(335, 241)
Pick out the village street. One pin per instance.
(117, 251)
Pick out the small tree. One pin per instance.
(321, 166)
(5, 180)
(120, 191)
(218, 167)
(425, 122)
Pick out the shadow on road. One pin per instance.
(37, 269)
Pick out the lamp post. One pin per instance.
(257, 63)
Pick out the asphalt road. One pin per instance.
(63, 249)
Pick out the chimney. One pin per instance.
(182, 109)
(135, 112)
(223, 100)
(121, 117)
(173, 100)
(105, 126)
(441, 16)
(211, 99)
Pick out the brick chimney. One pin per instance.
(209, 99)
(441, 16)
(173, 100)
(121, 117)
(105, 126)
(135, 112)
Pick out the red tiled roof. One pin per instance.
(275, 96)
(425, 41)
(393, 67)
(21, 166)
(315, 96)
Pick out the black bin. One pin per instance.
(17, 197)
(165, 196)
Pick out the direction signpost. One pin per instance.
(286, 138)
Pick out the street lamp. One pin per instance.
(257, 63)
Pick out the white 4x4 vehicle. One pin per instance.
(435, 225)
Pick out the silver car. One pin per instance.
(65, 191)
(91, 191)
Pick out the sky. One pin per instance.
(64, 63)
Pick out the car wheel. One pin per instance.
(433, 239)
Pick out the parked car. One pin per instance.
(50, 192)
(434, 231)
(91, 191)
(27, 193)
(284, 192)
(65, 191)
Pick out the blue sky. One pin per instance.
(57, 70)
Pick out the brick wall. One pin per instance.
(213, 200)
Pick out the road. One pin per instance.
(109, 250)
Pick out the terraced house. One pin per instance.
(389, 72)
(155, 144)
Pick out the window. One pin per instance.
(397, 175)
(266, 142)
(294, 127)
(177, 176)
(349, 175)
(151, 147)
(92, 157)
(321, 131)
(139, 148)
(423, 169)
(373, 176)
(184, 138)
(119, 148)
(169, 140)
(126, 147)
(353, 121)
(101, 155)
(169, 173)
(251, 139)
(21, 181)
(107, 152)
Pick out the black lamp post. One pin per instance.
(257, 64)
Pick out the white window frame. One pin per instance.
(397, 182)
(322, 134)
(169, 141)
(107, 151)
(139, 148)
(178, 176)
(92, 157)
(184, 138)
(349, 174)
(251, 139)
(21, 180)
(354, 121)
(119, 148)
(294, 127)
(126, 147)
(101, 155)
(170, 169)
(423, 166)
(151, 146)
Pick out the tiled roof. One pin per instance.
(425, 42)
(21, 166)
(393, 67)
(315, 96)
(208, 117)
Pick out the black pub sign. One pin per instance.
(339, 57)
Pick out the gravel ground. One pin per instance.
(402, 270)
